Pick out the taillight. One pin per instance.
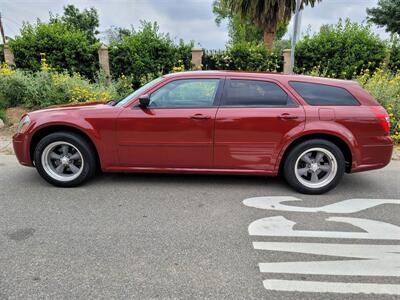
(383, 118)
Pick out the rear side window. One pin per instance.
(324, 95)
(239, 92)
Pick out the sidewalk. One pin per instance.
(5, 141)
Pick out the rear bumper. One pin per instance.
(375, 156)
(21, 149)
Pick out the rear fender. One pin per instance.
(317, 129)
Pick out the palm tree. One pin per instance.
(265, 14)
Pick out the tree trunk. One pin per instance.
(269, 37)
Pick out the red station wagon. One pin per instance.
(310, 129)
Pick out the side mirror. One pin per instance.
(144, 101)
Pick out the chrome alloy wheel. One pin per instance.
(316, 167)
(62, 161)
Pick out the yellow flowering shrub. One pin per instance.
(6, 70)
(179, 68)
(125, 82)
(44, 66)
(49, 87)
(84, 94)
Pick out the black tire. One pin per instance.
(294, 155)
(80, 143)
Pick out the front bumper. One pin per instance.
(21, 149)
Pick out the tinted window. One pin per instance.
(186, 93)
(254, 93)
(321, 94)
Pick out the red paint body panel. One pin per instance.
(251, 138)
(230, 140)
(165, 138)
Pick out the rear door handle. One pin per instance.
(200, 117)
(287, 116)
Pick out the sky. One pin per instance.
(186, 19)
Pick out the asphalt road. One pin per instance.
(150, 236)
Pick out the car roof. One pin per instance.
(263, 75)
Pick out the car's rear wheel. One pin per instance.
(314, 167)
(65, 159)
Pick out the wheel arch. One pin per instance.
(44, 131)
(338, 141)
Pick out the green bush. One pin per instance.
(45, 88)
(3, 115)
(146, 53)
(244, 57)
(394, 59)
(65, 48)
(342, 51)
(13, 89)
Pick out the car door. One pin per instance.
(175, 130)
(254, 118)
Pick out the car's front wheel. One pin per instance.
(65, 159)
(314, 167)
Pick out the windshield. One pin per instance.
(138, 91)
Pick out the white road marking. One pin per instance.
(362, 260)
(373, 260)
(330, 287)
(343, 207)
(280, 226)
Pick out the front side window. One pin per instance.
(185, 93)
(324, 95)
(239, 92)
(139, 91)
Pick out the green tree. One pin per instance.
(65, 48)
(266, 15)
(116, 34)
(146, 53)
(86, 21)
(394, 54)
(342, 50)
(242, 30)
(386, 14)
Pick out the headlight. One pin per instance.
(23, 123)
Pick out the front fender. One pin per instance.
(68, 121)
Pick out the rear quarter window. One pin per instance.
(324, 95)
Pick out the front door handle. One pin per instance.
(287, 116)
(200, 117)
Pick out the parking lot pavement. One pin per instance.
(187, 236)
